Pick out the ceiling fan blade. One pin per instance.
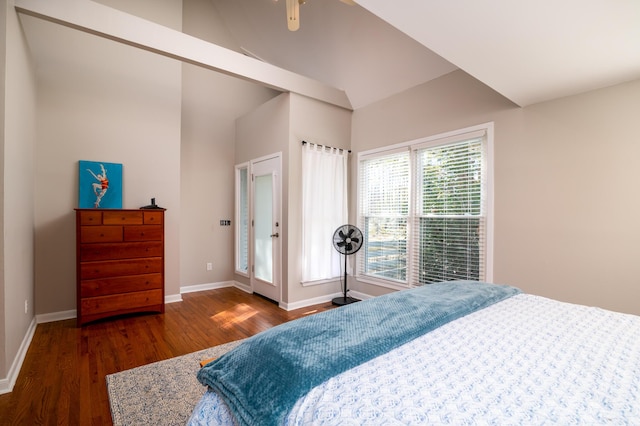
(293, 15)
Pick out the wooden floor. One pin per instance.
(62, 380)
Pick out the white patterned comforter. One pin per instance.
(525, 360)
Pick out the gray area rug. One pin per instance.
(162, 393)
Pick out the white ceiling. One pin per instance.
(527, 51)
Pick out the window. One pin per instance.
(424, 209)
(384, 190)
(242, 218)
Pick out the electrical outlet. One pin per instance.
(26, 306)
(209, 266)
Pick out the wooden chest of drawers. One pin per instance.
(119, 262)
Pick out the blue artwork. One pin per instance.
(100, 185)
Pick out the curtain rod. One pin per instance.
(325, 146)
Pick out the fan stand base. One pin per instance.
(341, 301)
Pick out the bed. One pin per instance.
(446, 353)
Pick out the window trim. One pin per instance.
(433, 141)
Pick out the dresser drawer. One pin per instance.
(121, 302)
(100, 234)
(128, 284)
(119, 262)
(116, 268)
(122, 217)
(108, 251)
(143, 233)
(90, 217)
(152, 218)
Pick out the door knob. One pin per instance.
(275, 235)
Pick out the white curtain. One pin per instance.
(324, 209)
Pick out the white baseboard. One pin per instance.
(321, 299)
(172, 298)
(207, 286)
(71, 314)
(361, 296)
(56, 316)
(6, 385)
(244, 287)
(309, 302)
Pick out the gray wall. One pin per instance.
(566, 182)
(566, 171)
(261, 132)
(211, 102)
(103, 101)
(280, 125)
(17, 140)
(108, 102)
(324, 124)
(171, 124)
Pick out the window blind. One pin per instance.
(384, 207)
(449, 226)
(423, 210)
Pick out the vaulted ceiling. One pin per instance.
(344, 46)
(527, 51)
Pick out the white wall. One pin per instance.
(324, 124)
(99, 100)
(3, 63)
(211, 102)
(570, 168)
(566, 182)
(281, 125)
(103, 101)
(17, 140)
(261, 132)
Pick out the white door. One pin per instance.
(266, 190)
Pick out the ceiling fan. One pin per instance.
(293, 12)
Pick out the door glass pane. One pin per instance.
(242, 222)
(263, 219)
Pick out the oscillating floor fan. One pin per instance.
(347, 240)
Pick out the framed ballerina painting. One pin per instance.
(100, 185)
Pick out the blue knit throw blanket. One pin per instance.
(262, 379)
